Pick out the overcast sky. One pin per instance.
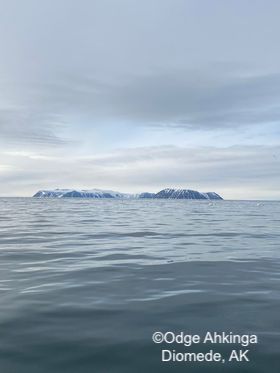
(137, 96)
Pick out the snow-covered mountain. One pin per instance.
(75, 193)
(185, 194)
(98, 193)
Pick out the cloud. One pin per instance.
(163, 64)
(28, 126)
(235, 172)
(173, 99)
(79, 80)
(195, 99)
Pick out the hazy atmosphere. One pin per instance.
(140, 95)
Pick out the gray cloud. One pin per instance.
(23, 126)
(191, 99)
(161, 63)
(78, 76)
(185, 99)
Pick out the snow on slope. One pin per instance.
(185, 194)
(99, 193)
(75, 193)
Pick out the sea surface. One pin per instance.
(85, 283)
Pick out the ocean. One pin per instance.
(84, 283)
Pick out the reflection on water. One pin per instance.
(85, 283)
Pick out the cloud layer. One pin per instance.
(140, 95)
(234, 172)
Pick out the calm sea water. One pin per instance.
(85, 283)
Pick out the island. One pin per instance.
(167, 193)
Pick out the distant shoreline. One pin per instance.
(168, 193)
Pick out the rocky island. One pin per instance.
(99, 193)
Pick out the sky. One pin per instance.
(139, 96)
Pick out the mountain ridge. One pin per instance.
(167, 193)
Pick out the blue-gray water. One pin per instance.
(85, 283)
